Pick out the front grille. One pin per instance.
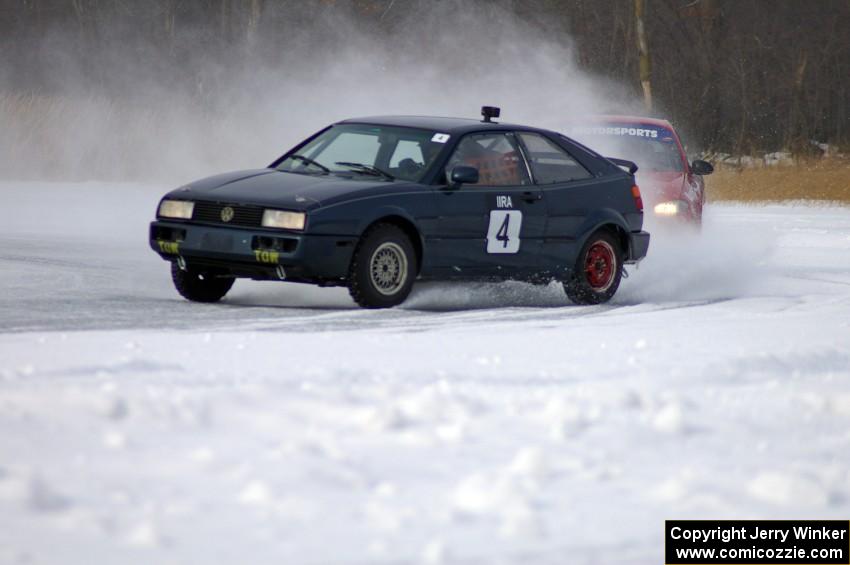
(210, 212)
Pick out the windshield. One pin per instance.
(370, 151)
(653, 148)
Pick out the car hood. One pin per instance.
(273, 188)
(660, 186)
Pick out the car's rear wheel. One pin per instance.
(598, 270)
(198, 285)
(383, 268)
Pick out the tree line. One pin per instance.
(739, 76)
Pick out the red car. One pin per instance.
(672, 187)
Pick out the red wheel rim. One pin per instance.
(600, 264)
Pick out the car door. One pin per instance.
(570, 191)
(494, 227)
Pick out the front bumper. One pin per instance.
(257, 254)
(638, 246)
(675, 212)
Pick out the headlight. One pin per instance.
(284, 220)
(181, 209)
(670, 208)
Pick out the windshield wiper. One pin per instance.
(368, 169)
(309, 161)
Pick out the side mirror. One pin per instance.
(701, 168)
(463, 174)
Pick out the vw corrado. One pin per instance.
(377, 203)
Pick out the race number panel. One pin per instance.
(503, 233)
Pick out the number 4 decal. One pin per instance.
(503, 233)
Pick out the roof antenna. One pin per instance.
(490, 112)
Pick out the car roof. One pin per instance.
(441, 124)
(632, 120)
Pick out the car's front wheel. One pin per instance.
(383, 268)
(200, 286)
(598, 270)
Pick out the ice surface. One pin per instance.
(477, 424)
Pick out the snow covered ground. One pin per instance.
(477, 424)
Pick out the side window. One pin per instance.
(549, 163)
(496, 157)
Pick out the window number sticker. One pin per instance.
(503, 233)
(440, 137)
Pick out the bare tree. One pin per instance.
(255, 11)
(643, 55)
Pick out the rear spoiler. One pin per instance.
(632, 167)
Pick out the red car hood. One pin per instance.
(660, 186)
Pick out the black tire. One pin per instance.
(383, 268)
(598, 270)
(200, 286)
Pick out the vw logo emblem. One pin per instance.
(226, 214)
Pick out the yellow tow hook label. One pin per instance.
(271, 257)
(171, 247)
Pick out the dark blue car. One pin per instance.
(375, 204)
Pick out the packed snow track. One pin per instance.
(476, 424)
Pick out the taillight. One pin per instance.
(638, 199)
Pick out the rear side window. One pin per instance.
(549, 163)
(494, 155)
